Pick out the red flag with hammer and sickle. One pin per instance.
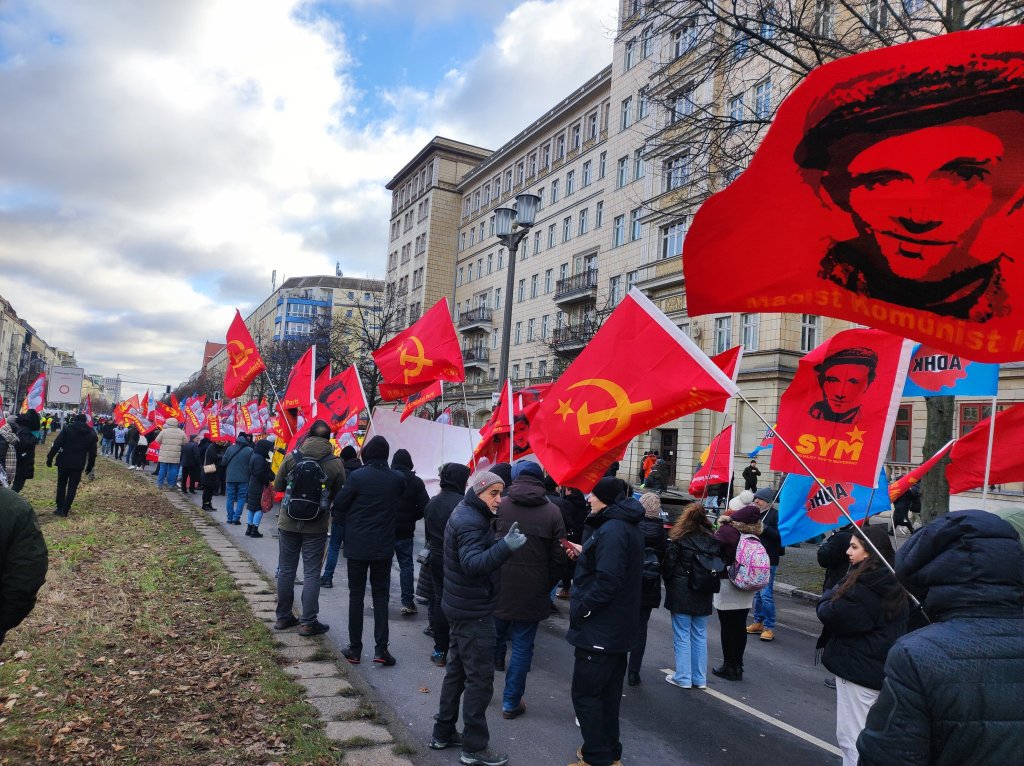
(427, 352)
(244, 360)
(604, 399)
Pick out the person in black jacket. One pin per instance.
(764, 599)
(952, 692)
(209, 459)
(365, 508)
(351, 462)
(604, 615)
(75, 451)
(453, 478)
(23, 560)
(832, 556)
(260, 477)
(653, 528)
(862, 616)
(191, 473)
(473, 556)
(575, 510)
(408, 510)
(350, 459)
(25, 426)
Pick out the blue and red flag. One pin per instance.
(941, 373)
(806, 510)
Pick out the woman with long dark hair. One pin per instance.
(863, 616)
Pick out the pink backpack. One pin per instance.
(752, 569)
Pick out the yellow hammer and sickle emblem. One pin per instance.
(238, 354)
(622, 413)
(418, 362)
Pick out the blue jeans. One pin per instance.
(521, 635)
(403, 552)
(255, 516)
(333, 550)
(690, 637)
(764, 603)
(236, 492)
(167, 472)
(108, 446)
(289, 546)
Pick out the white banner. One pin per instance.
(64, 385)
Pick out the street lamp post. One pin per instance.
(511, 234)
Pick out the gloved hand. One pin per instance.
(49, 464)
(514, 537)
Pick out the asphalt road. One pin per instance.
(780, 713)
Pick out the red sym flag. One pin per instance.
(244, 360)
(416, 357)
(604, 399)
(900, 486)
(840, 409)
(903, 167)
(729, 363)
(717, 469)
(966, 469)
(428, 394)
(298, 393)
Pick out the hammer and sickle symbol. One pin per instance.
(417, 362)
(238, 354)
(622, 413)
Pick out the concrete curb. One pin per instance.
(797, 593)
(341, 707)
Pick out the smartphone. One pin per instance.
(570, 549)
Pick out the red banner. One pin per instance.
(428, 394)
(244, 360)
(88, 410)
(340, 398)
(716, 467)
(416, 357)
(298, 392)
(599, 403)
(901, 485)
(729, 363)
(897, 164)
(966, 469)
(35, 397)
(840, 409)
(153, 452)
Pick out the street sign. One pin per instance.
(64, 385)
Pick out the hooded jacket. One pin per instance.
(236, 461)
(209, 454)
(350, 458)
(190, 454)
(27, 441)
(528, 577)
(366, 505)
(953, 689)
(453, 478)
(680, 598)
(260, 472)
(318, 448)
(74, 448)
(473, 556)
(23, 559)
(604, 607)
(171, 439)
(411, 503)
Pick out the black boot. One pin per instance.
(248, 530)
(728, 672)
(255, 531)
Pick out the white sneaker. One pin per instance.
(674, 682)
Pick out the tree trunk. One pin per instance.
(934, 488)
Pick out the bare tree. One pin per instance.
(727, 66)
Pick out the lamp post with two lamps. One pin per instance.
(512, 224)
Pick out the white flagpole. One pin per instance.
(469, 427)
(366, 402)
(988, 454)
(511, 424)
(312, 385)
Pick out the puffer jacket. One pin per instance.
(527, 577)
(473, 556)
(452, 479)
(680, 598)
(171, 439)
(410, 505)
(858, 630)
(953, 690)
(236, 461)
(190, 454)
(604, 611)
(23, 559)
(260, 472)
(74, 448)
(317, 448)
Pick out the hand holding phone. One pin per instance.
(572, 550)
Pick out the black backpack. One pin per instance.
(308, 491)
(652, 567)
(706, 573)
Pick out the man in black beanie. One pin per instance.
(604, 616)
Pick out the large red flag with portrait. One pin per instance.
(840, 409)
(966, 469)
(244, 360)
(341, 397)
(888, 191)
(602, 401)
(426, 352)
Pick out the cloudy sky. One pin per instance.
(159, 158)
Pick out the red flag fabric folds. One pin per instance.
(298, 393)
(428, 394)
(840, 409)
(912, 477)
(717, 469)
(966, 469)
(340, 398)
(416, 357)
(729, 363)
(601, 401)
(244, 360)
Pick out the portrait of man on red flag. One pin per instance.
(844, 377)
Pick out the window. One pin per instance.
(521, 292)
(497, 300)
(912, 6)
(684, 38)
(487, 194)
(823, 17)
(496, 183)
(899, 444)
(682, 104)
(577, 135)
(588, 173)
(599, 214)
(621, 172)
(490, 262)
(501, 259)
(570, 182)
(615, 290)
(630, 54)
(529, 332)
(592, 126)
(626, 116)
(677, 172)
(540, 194)
(646, 42)
(545, 156)
(619, 230)
(508, 180)
(479, 268)
(544, 328)
(567, 228)
(769, 22)
(551, 236)
(877, 19)
(460, 274)
(548, 280)
(634, 225)
(584, 222)
(750, 326)
(740, 44)
(643, 104)
(638, 164)
(533, 165)
(563, 271)
(810, 330)
(723, 334)
(736, 109)
(554, 191)
(542, 367)
(462, 241)
(534, 286)
(763, 99)
(560, 147)
(519, 338)
(602, 162)
(672, 237)
(536, 242)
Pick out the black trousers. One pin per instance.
(67, 486)
(596, 696)
(208, 492)
(469, 675)
(380, 591)
(190, 478)
(118, 450)
(442, 634)
(734, 635)
(636, 654)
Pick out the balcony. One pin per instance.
(475, 319)
(572, 338)
(476, 357)
(579, 287)
(668, 272)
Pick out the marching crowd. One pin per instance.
(939, 683)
